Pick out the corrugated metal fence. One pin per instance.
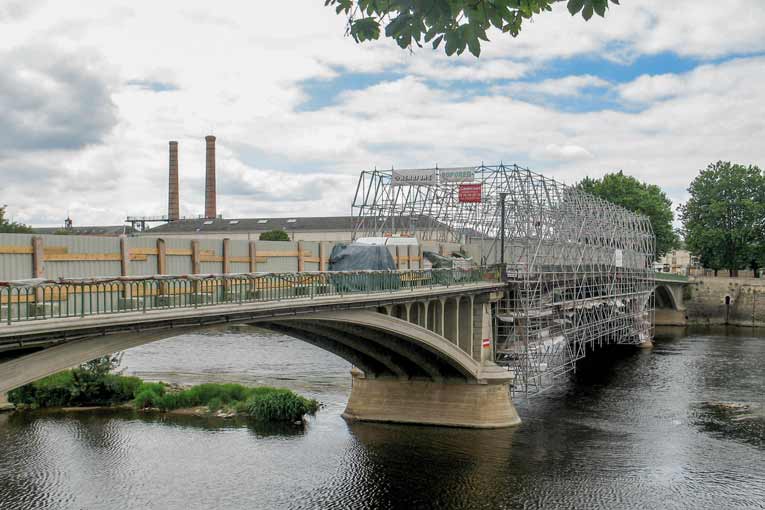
(24, 256)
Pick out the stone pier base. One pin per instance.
(4, 404)
(669, 317)
(429, 403)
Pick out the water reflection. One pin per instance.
(441, 467)
(678, 426)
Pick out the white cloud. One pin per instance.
(570, 86)
(685, 27)
(475, 70)
(565, 152)
(240, 75)
(707, 79)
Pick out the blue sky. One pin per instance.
(90, 99)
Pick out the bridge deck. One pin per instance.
(53, 330)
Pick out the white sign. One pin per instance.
(457, 174)
(414, 177)
(618, 262)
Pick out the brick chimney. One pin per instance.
(210, 209)
(173, 196)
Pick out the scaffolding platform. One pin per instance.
(579, 270)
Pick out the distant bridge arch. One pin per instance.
(669, 300)
(664, 298)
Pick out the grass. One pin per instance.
(262, 403)
(79, 387)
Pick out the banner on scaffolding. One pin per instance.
(414, 177)
(457, 174)
(470, 193)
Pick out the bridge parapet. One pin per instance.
(34, 300)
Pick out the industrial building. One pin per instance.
(211, 225)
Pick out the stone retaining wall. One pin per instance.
(734, 301)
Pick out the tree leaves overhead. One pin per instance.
(462, 24)
(724, 217)
(646, 199)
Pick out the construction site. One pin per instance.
(578, 268)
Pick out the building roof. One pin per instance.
(95, 230)
(328, 223)
(288, 224)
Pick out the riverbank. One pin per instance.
(725, 301)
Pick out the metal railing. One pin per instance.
(670, 277)
(28, 300)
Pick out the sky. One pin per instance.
(91, 93)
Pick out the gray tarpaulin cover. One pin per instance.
(356, 257)
(363, 257)
(456, 261)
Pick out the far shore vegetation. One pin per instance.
(95, 384)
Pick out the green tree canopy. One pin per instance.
(274, 235)
(642, 198)
(460, 23)
(724, 218)
(11, 227)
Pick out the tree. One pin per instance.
(460, 23)
(642, 198)
(724, 218)
(11, 227)
(274, 235)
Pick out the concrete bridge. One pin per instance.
(669, 300)
(421, 341)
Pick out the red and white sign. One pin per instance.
(487, 343)
(470, 193)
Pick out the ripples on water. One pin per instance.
(681, 426)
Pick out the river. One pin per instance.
(679, 426)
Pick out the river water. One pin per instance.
(679, 426)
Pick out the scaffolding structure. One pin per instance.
(579, 269)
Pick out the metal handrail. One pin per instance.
(27, 300)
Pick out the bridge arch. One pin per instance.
(435, 316)
(418, 313)
(405, 372)
(664, 298)
(378, 344)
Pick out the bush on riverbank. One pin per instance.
(262, 403)
(93, 384)
(76, 388)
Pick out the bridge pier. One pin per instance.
(451, 403)
(4, 404)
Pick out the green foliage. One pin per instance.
(90, 384)
(642, 198)
(148, 395)
(93, 383)
(460, 23)
(11, 227)
(262, 403)
(724, 218)
(271, 404)
(274, 235)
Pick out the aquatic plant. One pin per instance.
(262, 403)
